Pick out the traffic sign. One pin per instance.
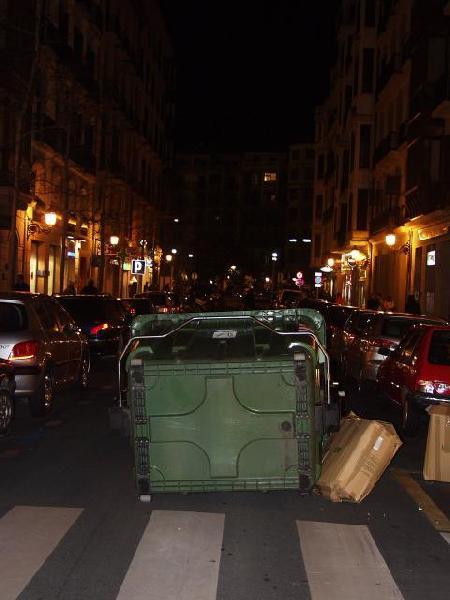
(137, 266)
(317, 279)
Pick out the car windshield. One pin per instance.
(12, 317)
(92, 308)
(439, 353)
(398, 327)
(338, 315)
(291, 297)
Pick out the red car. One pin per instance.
(417, 373)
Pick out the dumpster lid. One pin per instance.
(288, 320)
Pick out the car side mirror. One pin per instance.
(70, 327)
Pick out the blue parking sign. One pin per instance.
(137, 267)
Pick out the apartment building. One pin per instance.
(344, 139)
(300, 193)
(89, 92)
(232, 208)
(390, 232)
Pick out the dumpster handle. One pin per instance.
(305, 331)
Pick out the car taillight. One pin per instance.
(163, 309)
(24, 350)
(97, 328)
(433, 387)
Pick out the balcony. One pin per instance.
(389, 144)
(389, 70)
(388, 219)
(426, 199)
(83, 156)
(441, 97)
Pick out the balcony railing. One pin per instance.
(388, 219)
(427, 199)
(390, 143)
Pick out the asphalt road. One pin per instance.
(71, 527)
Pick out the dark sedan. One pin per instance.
(102, 319)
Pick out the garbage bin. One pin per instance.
(228, 401)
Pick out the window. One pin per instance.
(295, 154)
(292, 214)
(270, 176)
(310, 154)
(439, 353)
(364, 146)
(294, 173)
(12, 317)
(47, 316)
(320, 166)
(363, 207)
(369, 13)
(367, 70)
(352, 151)
(293, 195)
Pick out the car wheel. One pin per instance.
(83, 374)
(410, 419)
(6, 411)
(41, 404)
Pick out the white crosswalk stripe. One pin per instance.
(28, 535)
(178, 557)
(343, 562)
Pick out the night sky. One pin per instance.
(249, 73)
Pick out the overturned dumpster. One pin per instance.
(228, 401)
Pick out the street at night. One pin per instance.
(224, 300)
(80, 473)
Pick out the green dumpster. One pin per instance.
(228, 401)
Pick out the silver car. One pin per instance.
(369, 332)
(45, 346)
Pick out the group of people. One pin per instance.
(90, 288)
(386, 303)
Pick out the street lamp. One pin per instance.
(114, 240)
(34, 227)
(390, 239)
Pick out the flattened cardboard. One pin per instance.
(357, 457)
(437, 455)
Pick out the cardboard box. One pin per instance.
(437, 455)
(357, 457)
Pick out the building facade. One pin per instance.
(232, 210)
(86, 141)
(299, 208)
(396, 155)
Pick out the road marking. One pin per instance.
(28, 535)
(433, 513)
(178, 558)
(343, 562)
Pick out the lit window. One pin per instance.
(270, 176)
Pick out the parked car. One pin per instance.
(7, 389)
(376, 330)
(137, 306)
(164, 302)
(336, 319)
(102, 319)
(417, 373)
(45, 346)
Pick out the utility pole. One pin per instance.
(18, 142)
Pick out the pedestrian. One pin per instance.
(146, 286)
(373, 303)
(249, 299)
(339, 299)
(90, 288)
(388, 304)
(70, 289)
(412, 306)
(21, 285)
